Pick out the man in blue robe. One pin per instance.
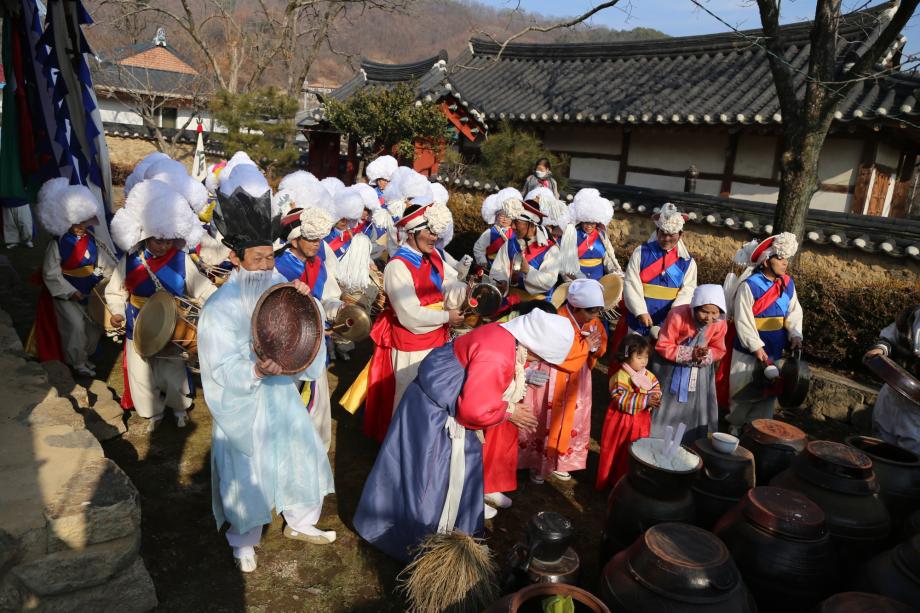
(266, 453)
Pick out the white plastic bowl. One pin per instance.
(724, 443)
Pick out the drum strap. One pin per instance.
(153, 275)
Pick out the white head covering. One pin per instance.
(549, 336)
(490, 208)
(440, 194)
(381, 168)
(669, 220)
(137, 175)
(154, 209)
(348, 205)
(709, 293)
(315, 223)
(755, 253)
(61, 205)
(541, 195)
(175, 175)
(301, 192)
(586, 294)
(416, 188)
(368, 196)
(589, 206)
(333, 185)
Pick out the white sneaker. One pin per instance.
(246, 564)
(536, 478)
(84, 370)
(562, 475)
(29, 244)
(498, 500)
(491, 512)
(181, 421)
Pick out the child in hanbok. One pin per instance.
(634, 393)
(691, 341)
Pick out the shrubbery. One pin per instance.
(509, 155)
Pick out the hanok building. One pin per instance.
(149, 85)
(695, 113)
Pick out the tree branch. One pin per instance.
(783, 78)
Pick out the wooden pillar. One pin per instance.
(624, 158)
(864, 177)
(729, 170)
(901, 194)
(351, 162)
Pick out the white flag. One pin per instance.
(199, 165)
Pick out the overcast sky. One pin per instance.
(683, 18)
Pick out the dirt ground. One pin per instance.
(188, 558)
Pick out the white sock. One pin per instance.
(244, 552)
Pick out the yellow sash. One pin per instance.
(659, 292)
(82, 271)
(770, 324)
(354, 396)
(591, 262)
(137, 302)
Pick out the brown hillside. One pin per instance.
(419, 30)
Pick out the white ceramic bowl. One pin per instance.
(724, 443)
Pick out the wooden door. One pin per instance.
(879, 192)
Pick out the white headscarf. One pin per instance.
(586, 294)
(709, 293)
(549, 336)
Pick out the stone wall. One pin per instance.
(70, 519)
(129, 151)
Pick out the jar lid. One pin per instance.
(837, 467)
(784, 512)
(860, 602)
(907, 555)
(551, 527)
(683, 562)
(773, 432)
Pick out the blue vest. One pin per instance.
(171, 277)
(82, 276)
(290, 265)
(415, 260)
(658, 301)
(771, 322)
(514, 248)
(587, 259)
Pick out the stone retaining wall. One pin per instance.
(70, 519)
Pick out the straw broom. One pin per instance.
(451, 572)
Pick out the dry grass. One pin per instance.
(452, 572)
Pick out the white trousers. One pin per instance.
(405, 368)
(156, 383)
(17, 224)
(79, 336)
(322, 411)
(300, 519)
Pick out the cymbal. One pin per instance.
(287, 327)
(155, 323)
(352, 323)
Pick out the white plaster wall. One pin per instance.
(888, 155)
(709, 187)
(116, 111)
(638, 179)
(755, 156)
(677, 150)
(594, 169)
(839, 160)
(584, 139)
(830, 201)
(760, 193)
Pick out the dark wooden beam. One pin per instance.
(730, 154)
(624, 157)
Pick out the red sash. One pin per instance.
(311, 270)
(658, 267)
(76, 256)
(494, 246)
(534, 251)
(339, 241)
(358, 229)
(139, 274)
(588, 243)
(771, 295)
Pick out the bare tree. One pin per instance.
(149, 93)
(808, 110)
(240, 42)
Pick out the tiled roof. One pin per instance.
(720, 78)
(713, 79)
(893, 237)
(108, 75)
(121, 54)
